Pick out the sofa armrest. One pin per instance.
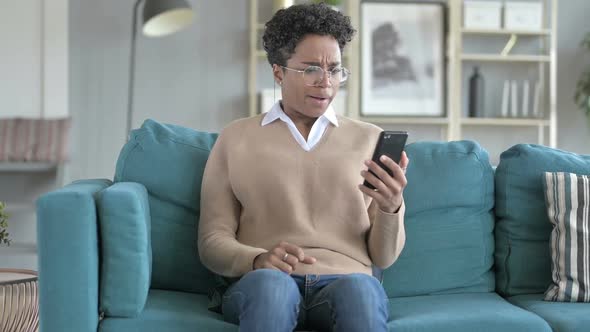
(67, 237)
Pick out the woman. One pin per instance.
(282, 207)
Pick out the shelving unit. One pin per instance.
(452, 124)
(545, 60)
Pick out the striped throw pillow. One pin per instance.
(568, 207)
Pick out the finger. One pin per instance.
(291, 260)
(292, 249)
(376, 182)
(280, 264)
(309, 260)
(382, 174)
(399, 174)
(404, 161)
(377, 196)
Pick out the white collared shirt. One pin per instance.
(317, 130)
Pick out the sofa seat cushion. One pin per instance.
(461, 312)
(561, 316)
(170, 311)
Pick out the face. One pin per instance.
(300, 100)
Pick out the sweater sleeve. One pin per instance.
(218, 246)
(387, 235)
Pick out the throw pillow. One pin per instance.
(568, 208)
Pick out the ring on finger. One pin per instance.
(285, 257)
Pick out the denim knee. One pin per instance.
(362, 296)
(263, 299)
(270, 285)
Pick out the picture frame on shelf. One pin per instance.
(403, 65)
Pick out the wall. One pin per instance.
(197, 78)
(34, 64)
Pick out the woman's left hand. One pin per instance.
(388, 189)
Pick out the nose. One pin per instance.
(326, 82)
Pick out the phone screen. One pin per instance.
(391, 144)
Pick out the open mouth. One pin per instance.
(319, 98)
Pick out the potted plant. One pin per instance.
(3, 225)
(582, 96)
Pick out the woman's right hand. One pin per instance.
(284, 257)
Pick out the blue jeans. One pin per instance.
(269, 300)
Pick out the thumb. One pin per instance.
(309, 260)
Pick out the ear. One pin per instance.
(277, 72)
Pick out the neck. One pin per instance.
(302, 122)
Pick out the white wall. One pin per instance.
(34, 59)
(34, 63)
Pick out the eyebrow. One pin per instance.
(333, 64)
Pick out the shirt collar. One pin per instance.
(276, 112)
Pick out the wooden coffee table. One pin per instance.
(19, 300)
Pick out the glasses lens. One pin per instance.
(314, 75)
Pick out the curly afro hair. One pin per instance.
(288, 27)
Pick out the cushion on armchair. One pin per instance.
(568, 209)
(169, 161)
(126, 253)
(449, 222)
(523, 263)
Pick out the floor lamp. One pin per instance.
(160, 18)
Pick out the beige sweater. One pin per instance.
(260, 188)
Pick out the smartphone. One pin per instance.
(391, 144)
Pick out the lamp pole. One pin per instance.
(131, 70)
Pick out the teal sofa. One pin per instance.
(121, 254)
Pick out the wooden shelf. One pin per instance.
(543, 32)
(21, 167)
(405, 120)
(505, 58)
(261, 53)
(504, 122)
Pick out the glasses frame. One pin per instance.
(302, 71)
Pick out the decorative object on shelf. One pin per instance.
(402, 58)
(513, 99)
(484, 15)
(582, 95)
(476, 94)
(4, 239)
(34, 140)
(525, 99)
(160, 18)
(537, 100)
(505, 97)
(509, 45)
(19, 299)
(510, 100)
(521, 15)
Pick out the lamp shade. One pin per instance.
(164, 17)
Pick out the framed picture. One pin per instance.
(402, 58)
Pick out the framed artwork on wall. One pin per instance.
(402, 58)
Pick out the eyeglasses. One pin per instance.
(314, 75)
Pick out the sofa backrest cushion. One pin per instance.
(449, 222)
(523, 230)
(169, 161)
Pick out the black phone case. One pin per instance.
(391, 144)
